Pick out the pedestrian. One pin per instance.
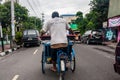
(117, 52)
(117, 58)
(57, 28)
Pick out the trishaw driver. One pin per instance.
(57, 28)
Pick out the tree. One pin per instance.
(90, 26)
(92, 18)
(22, 20)
(21, 17)
(32, 23)
(79, 16)
(101, 8)
(81, 22)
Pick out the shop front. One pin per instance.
(114, 24)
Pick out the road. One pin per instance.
(91, 64)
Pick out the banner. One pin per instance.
(114, 22)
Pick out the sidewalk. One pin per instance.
(7, 49)
(111, 45)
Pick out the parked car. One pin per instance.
(92, 36)
(117, 59)
(31, 37)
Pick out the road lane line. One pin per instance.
(15, 77)
(35, 51)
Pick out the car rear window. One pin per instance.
(94, 32)
(88, 32)
(30, 32)
(97, 32)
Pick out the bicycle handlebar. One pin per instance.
(47, 37)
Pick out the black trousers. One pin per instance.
(54, 52)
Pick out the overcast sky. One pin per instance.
(36, 7)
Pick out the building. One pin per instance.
(114, 17)
(70, 18)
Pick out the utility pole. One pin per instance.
(42, 18)
(12, 24)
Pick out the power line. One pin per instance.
(40, 5)
(32, 8)
(36, 5)
(86, 10)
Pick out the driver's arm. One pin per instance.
(69, 29)
(44, 29)
(42, 32)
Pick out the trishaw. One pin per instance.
(62, 57)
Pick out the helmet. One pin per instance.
(55, 14)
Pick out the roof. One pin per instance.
(68, 15)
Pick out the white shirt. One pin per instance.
(57, 28)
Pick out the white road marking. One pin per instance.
(15, 77)
(35, 51)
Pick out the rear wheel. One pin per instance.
(43, 62)
(72, 64)
(62, 65)
(62, 69)
(61, 77)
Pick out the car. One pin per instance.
(31, 37)
(92, 36)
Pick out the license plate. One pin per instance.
(29, 38)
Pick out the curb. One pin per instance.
(9, 51)
(112, 47)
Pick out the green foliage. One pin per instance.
(5, 31)
(18, 38)
(79, 16)
(22, 19)
(95, 18)
(32, 23)
(90, 26)
(101, 8)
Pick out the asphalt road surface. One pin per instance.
(91, 64)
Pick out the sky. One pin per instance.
(37, 7)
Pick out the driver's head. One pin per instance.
(55, 14)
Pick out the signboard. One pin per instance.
(74, 26)
(113, 22)
(109, 35)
